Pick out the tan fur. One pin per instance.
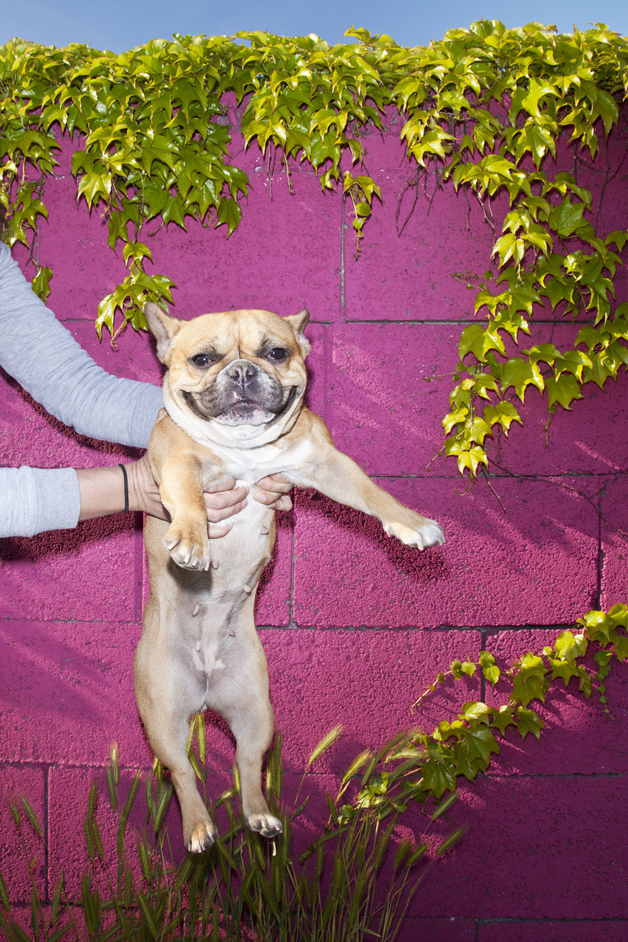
(199, 647)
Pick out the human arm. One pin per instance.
(102, 492)
(38, 351)
(42, 355)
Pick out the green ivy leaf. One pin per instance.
(41, 282)
(489, 668)
(229, 214)
(529, 680)
(567, 218)
(529, 722)
(503, 717)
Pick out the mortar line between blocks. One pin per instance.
(600, 549)
(47, 831)
(292, 554)
(342, 254)
(482, 677)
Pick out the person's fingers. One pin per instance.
(276, 483)
(273, 491)
(216, 515)
(217, 530)
(276, 501)
(283, 503)
(225, 484)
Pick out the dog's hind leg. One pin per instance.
(239, 693)
(166, 705)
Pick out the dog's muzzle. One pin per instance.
(241, 393)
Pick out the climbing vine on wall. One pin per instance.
(483, 110)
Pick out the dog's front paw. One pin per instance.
(422, 534)
(188, 546)
(202, 837)
(265, 824)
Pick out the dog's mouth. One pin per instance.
(239, 409)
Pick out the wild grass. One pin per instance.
(354, 881)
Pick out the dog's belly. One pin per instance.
(241, 552)
(202, 614)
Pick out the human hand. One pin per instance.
(274, 491)
(222, 500)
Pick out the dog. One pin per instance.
(233, 391)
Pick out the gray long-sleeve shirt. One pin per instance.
(38, 351)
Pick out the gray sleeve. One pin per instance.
(33, 500)
(45, 359)
(37, 350)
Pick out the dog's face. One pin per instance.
(242, 370)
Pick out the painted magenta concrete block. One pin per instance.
(424, 247)
(365, 680)
(579, 736)
(67, 693)
(614, 526)
(447, 929)
(538, 847)
(566, 930)
(272, 606)
(17, 847)
(536, 563)
(582, 440)
(389, 389)
(88, 574)
(284, 256)
(74, 244)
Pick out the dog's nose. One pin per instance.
(242, 372)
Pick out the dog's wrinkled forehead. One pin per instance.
(242, 333)
(238, 333)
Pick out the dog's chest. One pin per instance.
(249, 466)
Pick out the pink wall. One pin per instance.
(354, 624)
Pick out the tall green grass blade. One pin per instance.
(445, 806)
(56, 901)
(4, 896)
(450, 841)
(90, 901)
(32, 817)
(325, 744)
(357, 765)
(115, 764)
(128, 804)
(13, 932)
(148, 916)
(417, 854)
(162, 808)
(202, 736)
(35, 913)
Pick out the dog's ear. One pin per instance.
(163, 327)
(298, 322)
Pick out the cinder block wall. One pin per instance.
(354, 624)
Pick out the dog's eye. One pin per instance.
(278, 354)
(203, 360)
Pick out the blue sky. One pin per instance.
(121, 24)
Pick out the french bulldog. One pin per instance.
(233, 391)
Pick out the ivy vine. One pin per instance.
(484, 108)
(467, 745)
